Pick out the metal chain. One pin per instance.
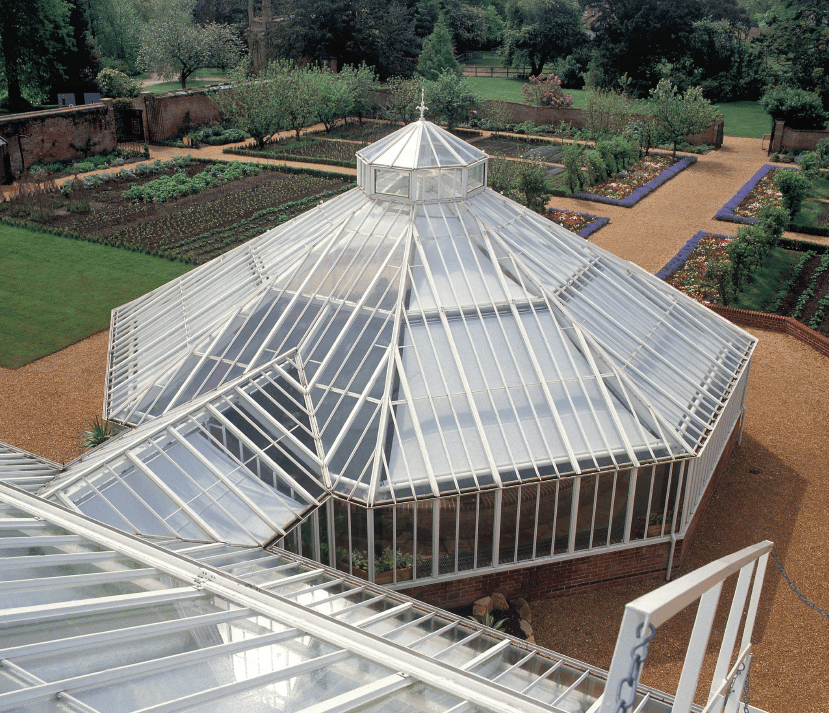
(637, 659)
(802, 597)
(746, 685)
(746, 691)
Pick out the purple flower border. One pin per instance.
(727, 213)
(678, 260)
(590, 228)
(645, 190)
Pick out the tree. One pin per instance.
(540, 31)
(34, 34)
(467, 24)
(253, 103)
(116, 28)
(112, 83)
(438, 54)
(796, 107)
(634, 37)
(680, 114)
(361, 82)
(493, 26)
(173, 45)
(451, 97)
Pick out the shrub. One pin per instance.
(451, 98)
(595, 165)
(605, 148)
(794, 187)
(532, 182)
(775, 157)
(572, 167)
(113, 83)
(772, 221)
(606, 112)
(539, 91)
(798, 108)
(809, 163)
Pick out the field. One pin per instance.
(194, 228)
(314, 150)
(55, 291)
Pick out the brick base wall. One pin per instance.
(579, 574)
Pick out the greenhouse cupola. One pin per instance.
(418, 378)
(421, 162)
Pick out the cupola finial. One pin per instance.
(422, 106)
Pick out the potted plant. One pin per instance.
(386, 564)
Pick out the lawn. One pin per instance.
(510, 90)
(745, 119)
(176, 85)
(56, 291)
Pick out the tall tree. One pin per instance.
(541, 31)
(116, 27)
(636, 37)
(173, 45)
(438, 54)
(34, 35)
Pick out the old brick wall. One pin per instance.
(58, 135)
(168, 114)
(794, 139)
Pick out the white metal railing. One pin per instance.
(645, 615)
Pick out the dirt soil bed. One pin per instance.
(196, 227)
(317, 148)
(505, 148)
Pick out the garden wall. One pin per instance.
(786, 139)
(775, 323)
(166, 115)
(58, 134)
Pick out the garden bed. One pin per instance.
(307, 150)
(508, 147)
(582, 224)
(641, 179)
(793, 281)
(194, 228)
(370, 131)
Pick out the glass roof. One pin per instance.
(25, 470)
(392, 350)
(420, 144)
(95, 620)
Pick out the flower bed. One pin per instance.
(686, 269)
(757, 192)
(582, 224)
(643, 178)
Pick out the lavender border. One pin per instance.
(727, 213)
(642, 191)
(678, 260)
(590, 228)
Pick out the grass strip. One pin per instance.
(57, 291)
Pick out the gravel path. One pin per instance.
(47, 403)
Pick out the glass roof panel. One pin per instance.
(25, 470)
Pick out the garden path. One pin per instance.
(786, 444)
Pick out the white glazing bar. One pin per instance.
(307, 590)
(166, 663)
(751, 614)
(394, 611)
(75, 580)
(486, 655)
(75, 705)
(57, 560)
(543, 677)
(571, 688)
(362, 696)
(231, 689)
(144, 631)
(13, 543)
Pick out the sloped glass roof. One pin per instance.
(96, 620)
(24, 469)
(414, 349)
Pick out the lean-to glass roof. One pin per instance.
(435, 345)
(95, 620)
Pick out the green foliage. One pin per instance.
(403, 96)
(597, 170)
(361, 81)
(438, 54)
(525, 182)
(572, 166)
(545, 92)
(786, 287)
(541, 31)
(489, 620)
(794, 187)
(680, 114)
(607, 111)
(798, 108)
(113, 83)
(174, 46)
(450, 98)
(98, 431)
(35, 37)
(166, 188)
(809, 292)
(721, 273)
(809, 162)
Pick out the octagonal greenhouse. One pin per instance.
(419, 380)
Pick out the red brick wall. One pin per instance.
(795, 139)
(776, 323)
(166, 113)
(591, 571)
(56, 135)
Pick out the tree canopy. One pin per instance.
(35, 37)
(540, 31)
(175, 46)
(437, 54)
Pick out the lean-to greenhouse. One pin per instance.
(419, 382)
